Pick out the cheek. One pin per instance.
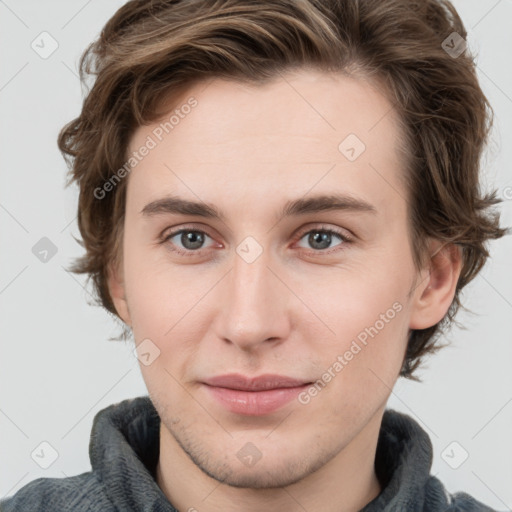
(351, 300)
(159, 292)
(166, 308)
(359, 370)
(367, 316)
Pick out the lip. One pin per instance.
(254, 396)
(260, 383)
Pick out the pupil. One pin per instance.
(192, 240)
(320, 237)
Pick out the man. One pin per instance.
(280, 201)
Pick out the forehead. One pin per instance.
(303, 130)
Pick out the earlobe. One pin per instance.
(435, 293)
(118, 293)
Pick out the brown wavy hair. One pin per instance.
(151, 48)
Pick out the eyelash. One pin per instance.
(322, 229)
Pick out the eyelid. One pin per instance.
(172, 232)
(341, 232)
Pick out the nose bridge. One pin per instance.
(254, 306)
(251, 284)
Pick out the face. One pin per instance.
(294, 262)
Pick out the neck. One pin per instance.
(344, 484)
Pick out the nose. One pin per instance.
(254, 306)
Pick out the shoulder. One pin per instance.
(81, 493)
(437, 498)
(463, 502)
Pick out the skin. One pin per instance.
(247, 150)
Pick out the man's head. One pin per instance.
(212, 155)
(288, 187)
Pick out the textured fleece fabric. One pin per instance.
(124, 450)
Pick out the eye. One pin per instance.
(191, 240)
(321, 239)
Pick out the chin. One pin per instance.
(252, 478)
(275, 471)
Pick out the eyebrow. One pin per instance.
(296, 207)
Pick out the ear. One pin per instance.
(117, 291)
(436, 289)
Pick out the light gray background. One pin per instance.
(57, 369)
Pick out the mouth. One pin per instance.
(254, 396)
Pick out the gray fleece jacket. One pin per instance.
(124, 450)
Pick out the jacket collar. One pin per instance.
(402, 463)
(124, 448)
